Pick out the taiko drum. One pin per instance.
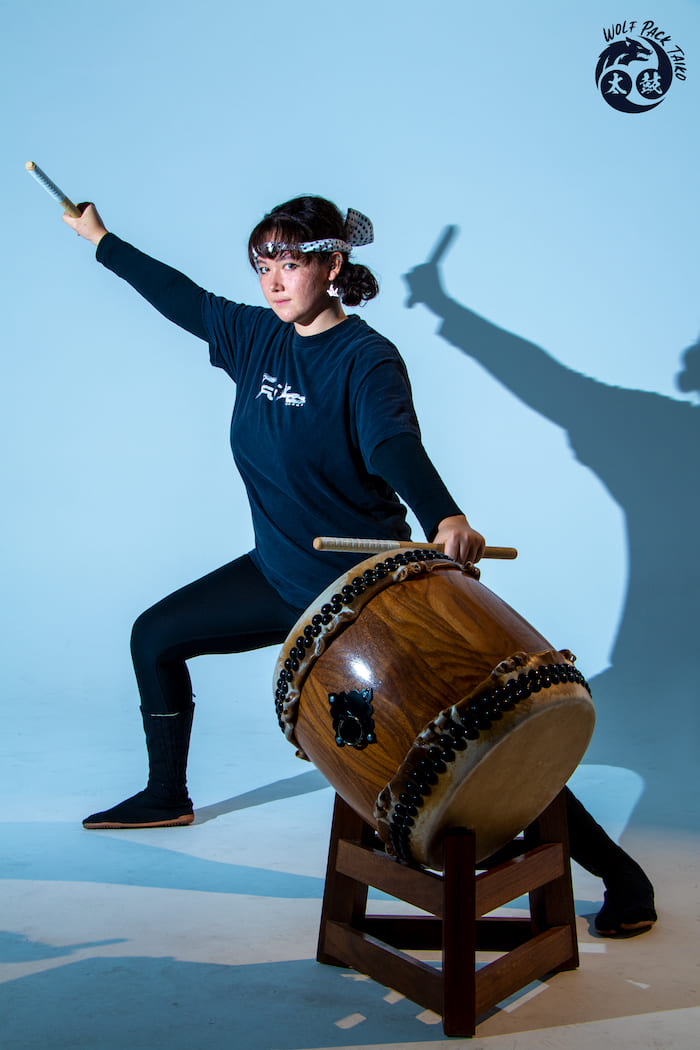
(428, 703)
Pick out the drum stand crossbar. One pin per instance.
(456, 903)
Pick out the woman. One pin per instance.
(324, 435)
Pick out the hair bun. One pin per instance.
(355, 284)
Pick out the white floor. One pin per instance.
(204, 937)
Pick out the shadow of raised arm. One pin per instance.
(539, 380)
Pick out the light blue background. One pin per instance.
(579, 229)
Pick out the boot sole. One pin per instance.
(628, 927)
(176, 822)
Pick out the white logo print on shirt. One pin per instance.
(273, 390)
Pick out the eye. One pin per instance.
(262, 268)
(291, 265)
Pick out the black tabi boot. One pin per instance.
(165, 802)
(629, 895)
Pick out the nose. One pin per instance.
(275, 279)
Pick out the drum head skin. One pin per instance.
(429, 703)
(491, 763)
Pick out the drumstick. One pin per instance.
(51, 187)
(346, 543)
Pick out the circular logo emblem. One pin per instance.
(634, 74)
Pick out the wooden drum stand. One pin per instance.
(456, 902)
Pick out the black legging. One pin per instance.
(231, 610)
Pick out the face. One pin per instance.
(297, 289)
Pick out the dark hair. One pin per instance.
(313, 219)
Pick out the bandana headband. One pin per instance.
(358, 231)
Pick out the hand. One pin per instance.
(425, 287)
(462, 542)
(89, 225)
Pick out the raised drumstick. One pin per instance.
(346, 543)
(51, 187)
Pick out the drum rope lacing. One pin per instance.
(344, 598)
(479, 715)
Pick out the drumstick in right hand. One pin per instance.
(347, 543)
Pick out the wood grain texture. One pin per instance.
(423, 644)
(379, 946)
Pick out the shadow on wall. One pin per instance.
(641, 446)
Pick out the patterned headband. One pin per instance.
(358, 231)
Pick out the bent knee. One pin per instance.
(149, 635)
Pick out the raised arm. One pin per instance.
(172, 293)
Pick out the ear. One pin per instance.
(335, 262)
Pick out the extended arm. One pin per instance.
(172, 293)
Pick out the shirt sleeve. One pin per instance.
(405, 465)
(383, 405)
(233, 329)
(172, 293)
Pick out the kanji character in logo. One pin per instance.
(649, 83)
(617, 84)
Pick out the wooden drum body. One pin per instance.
(428, 703)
